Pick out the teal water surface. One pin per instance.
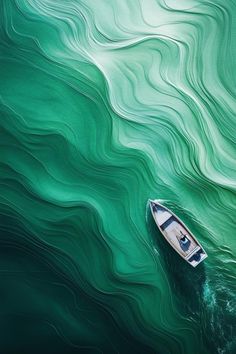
(105, 104)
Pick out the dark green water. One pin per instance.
(105, 104)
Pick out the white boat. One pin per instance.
(177, 234)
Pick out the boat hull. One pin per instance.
(177, 234)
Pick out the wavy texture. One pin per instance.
(103, 105)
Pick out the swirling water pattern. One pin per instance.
(103, 105)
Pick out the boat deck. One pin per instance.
(172, 229)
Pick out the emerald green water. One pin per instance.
(105, 104)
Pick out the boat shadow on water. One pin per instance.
(186, 282)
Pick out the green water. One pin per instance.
(105, 104)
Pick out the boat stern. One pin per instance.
(197, 257)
